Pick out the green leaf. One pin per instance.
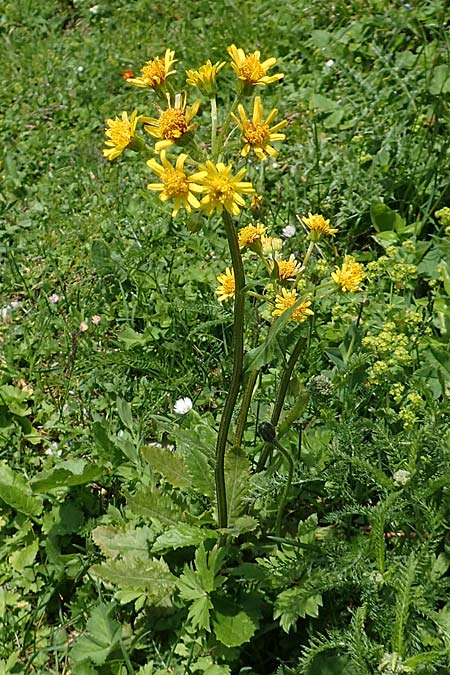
(152, 504)
(169, 464)
(14, 399)
(322, 103)
(232, 626)
(24, 557)
(182, 535)
(115, 542)
(294, 603)
(237, 481)
(131, 339)
(440, 80)
(66, 474)
(16, 492)
(103, 635)
(152, 576)
(124, 410)
(258, 357)
(383, 218)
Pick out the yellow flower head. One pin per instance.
(175, 183)
(227, 285)
(318, 226)
(120, 134)
(288, 269)
(271, 245)
(251, 235)
(256, 133)
(173, 124)
(249, 68)
(222, 190)
(205, 77)
(155, 72)
(349, 276)
(286, 300)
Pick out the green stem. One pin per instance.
(308, 253)
(278, 407)
(213, 124)
(245, 405)
(238, 356)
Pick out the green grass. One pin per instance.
(372, 126)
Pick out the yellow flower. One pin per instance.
(249, 68)
(155, 72)
(227, 286)
(175, 183)
(286, 300)
(205, 77)
(287, 269)
(251, 235)
(223, 191)
(349, 276)
(318, 226)
(121, 135)
(271, 245)
(257, 134)
(173, 124)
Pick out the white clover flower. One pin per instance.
(182, 406)
(330, 63)
(54, 298)
(289, 231)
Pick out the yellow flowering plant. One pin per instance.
(209, 170)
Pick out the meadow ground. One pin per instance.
(334, 557)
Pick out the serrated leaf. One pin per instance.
(155, 506)
(169, 464)
(24, 557)
(182, 535)
(17, 493)
(103, 635)
(199, 612)
(115, 542)
(151, 576)
(294, 603)
(237, 481)
(232, 626)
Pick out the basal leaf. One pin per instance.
(182, 535)
(151, 576)
(115, 542)
(169, 464)
(66, 474)
(103, 633)
(155, 506)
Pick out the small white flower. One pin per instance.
(182, 406)
(8, 309)
(54, 298)
(94, 9)
(288, 231)
(401, 477)
(83, 327)
(96, 319)
(80, 69)
(329, 63)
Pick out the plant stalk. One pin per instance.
(245, 405)
(235, 383)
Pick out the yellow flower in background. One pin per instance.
(349, 276)
(175, 183)
(227, 285)
(121, 135)
(286, 300)
(250, 69)
(287, 269)
(205, 77)
(271, 245)
(250, 235)
(222, 190)
(318, 226)
(155, 72)
(256, 133)
(173, 123)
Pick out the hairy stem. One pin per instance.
(235, 383)
(285, 495)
